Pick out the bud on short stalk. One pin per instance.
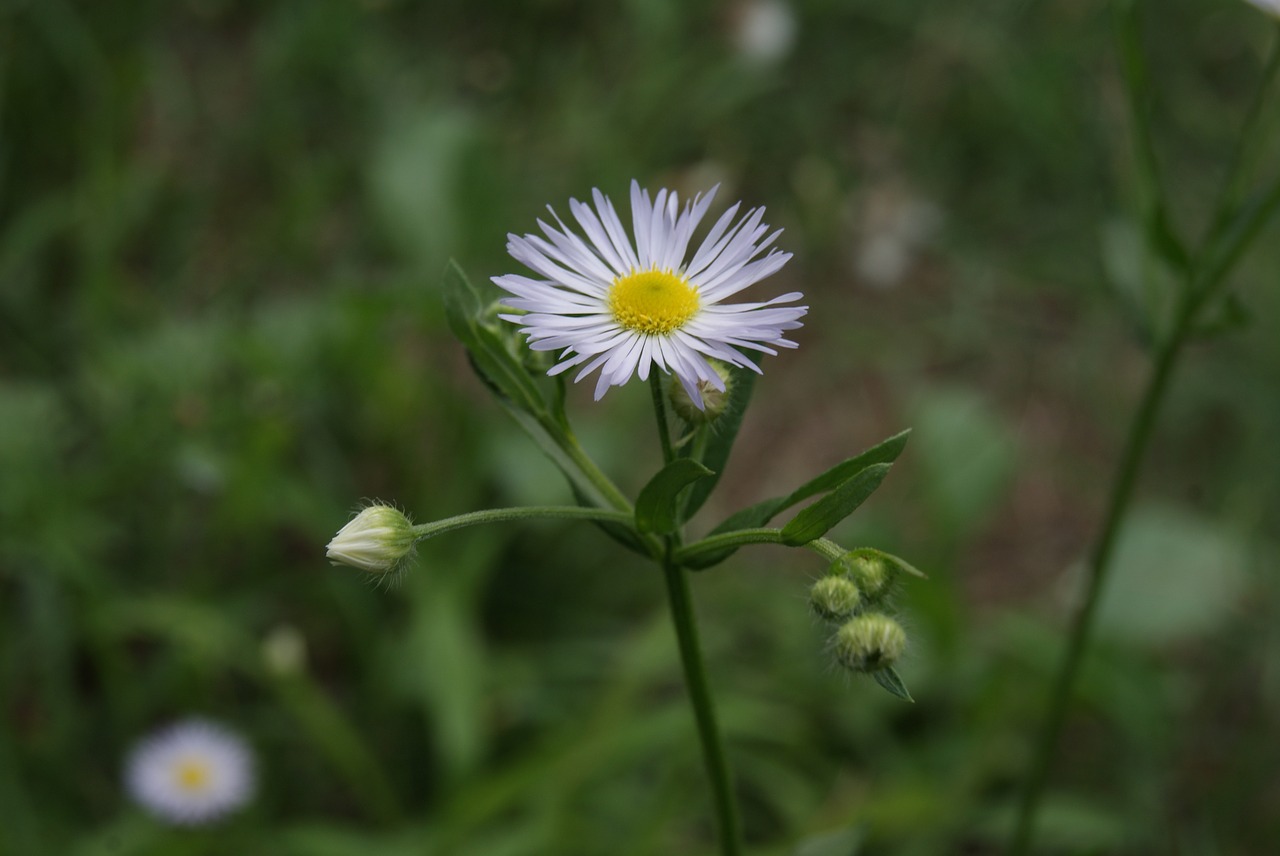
(377, 540)
(873, 575)
(870, 642)
(714, 402)
(834, 598)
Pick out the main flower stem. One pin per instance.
(1099, 565)
(704, 712)
(695, 672)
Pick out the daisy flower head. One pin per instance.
(621, 303)
(190, 773)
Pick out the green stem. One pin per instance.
(695, 673)
(695, 679)
(569, 444)
(828, 549)
(660, 413)
(1099, 565)
(500, 515)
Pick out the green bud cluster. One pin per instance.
(867, 639)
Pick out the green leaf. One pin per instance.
(816, 520)
(724, 433)
(492, 360)
(658, 506)
(754, 516)
(884, 452)
(892, 682)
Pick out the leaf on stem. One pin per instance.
(658, 506)
(724, 431)
(491, 359)
(816, 520)
(754, 516)
(892, 682)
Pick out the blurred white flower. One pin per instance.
(284, 650)
(892, 226)
(764, 30)
(1269, 6)
(191, 773)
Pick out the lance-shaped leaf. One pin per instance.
(816, 520)
(884, 452)
(753, 516)
(658, 506)
(723, 434)
(494, 363)
(892, 681)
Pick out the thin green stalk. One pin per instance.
(660, 413)
(1098, 568)
(569, 443)
(829, 550)
(695, 679)
(1231, 233)
(500, 515)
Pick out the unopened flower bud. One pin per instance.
(834, 598)
(714, 401)
(869, 642)
(377, 540)
(872, 575)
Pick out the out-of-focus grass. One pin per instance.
(221, 226)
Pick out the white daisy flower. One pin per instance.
(622, 306)
(190, 773)
(1272, 6)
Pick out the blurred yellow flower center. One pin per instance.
(652, 301)
(191, 774)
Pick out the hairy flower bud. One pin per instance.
(714, 401)
(377, 540)
(834, 598)
(869, 642)
(872, 575)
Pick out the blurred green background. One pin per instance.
(222, 230)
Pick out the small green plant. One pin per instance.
(622, 308)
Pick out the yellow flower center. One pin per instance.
(191, 774)
(652, 301)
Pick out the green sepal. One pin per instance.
(754, 516)
(898, 562)
(892, 682)
(816, 520)
(658, 506)
(724, 431)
